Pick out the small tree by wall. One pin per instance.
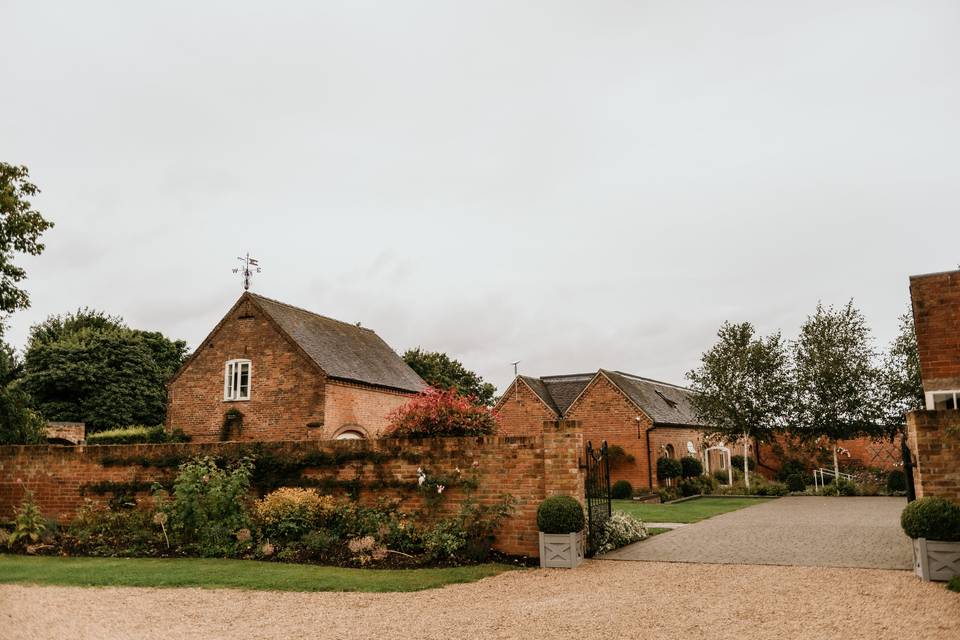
(441, 413)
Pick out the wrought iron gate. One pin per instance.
(596, 492)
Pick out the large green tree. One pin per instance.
(742, 385)
(20, 229)
(19, 423)
(901, 376)
(90, 367)
(838, 387)
(443, 372)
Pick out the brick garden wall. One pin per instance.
(936, 314)
(934, 440)
(529, 468)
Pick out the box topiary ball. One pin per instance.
(621, 490)
(933, 519)
(560, 514)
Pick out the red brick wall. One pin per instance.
(936, 313)
(606, 414)
(353, 405)
(529, 468)
(934, 440)
(521, 411)
(287, 391)
(863, 452)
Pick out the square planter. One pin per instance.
(935, 559)
(561, 550)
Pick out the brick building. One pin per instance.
(934, 435)
(271, 371)
(647, 418)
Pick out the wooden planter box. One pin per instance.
(561, 550)
(933, 559)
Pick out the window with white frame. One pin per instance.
(943, 400)
(236, 380)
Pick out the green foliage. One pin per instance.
(137, 434)
(794, 467)
(737, 463)
(797, 482)
(617, 456)
(560, 514)
(89, 367)
(621, 490)
(901, 377)
(20, 229)
(690, 467)
(207, 505)
(896, 481)
(668, 468)
(28, 524)
(289, 513)
(19, 423)
(954, 584)
(932, 518)
(720, 475)
(620, 530)
(770, 489)
(442, 372)
(838, 388)
(101, 531)
(742, 384)
(668, 494)
(699, 485)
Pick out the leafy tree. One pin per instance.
(742, 386)
(838, 391)
(901, 377)
(20, 229)
(441, 413)
(19, 424)
(90, 367)
(442, 372)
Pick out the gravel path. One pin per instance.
(802, 531)
(600, 599)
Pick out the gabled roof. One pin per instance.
(664, 403)
(341, 350)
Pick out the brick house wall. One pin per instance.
(522, 412)
(528, 468)
(358, 407)
(286, 390)
(936, 314)
(934, 441)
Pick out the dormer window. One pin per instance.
(236, 380)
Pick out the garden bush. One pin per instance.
(668, 468)
(797, 482)
(207, 507)
(701, 485)
(770, 489)
(668, 493)
(440, 413)
(29, 525)
(617, 456)
(720, 475)
(621, 490)
(690, 467)
(620, 530)
(737, 463)
(288, 513)
(932, 518)
(954, 584)
(137, 434)
(793, 467)
(98, 530)
(896, 481)
(560, 514)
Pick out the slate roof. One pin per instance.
(341, 349)
(665, 403)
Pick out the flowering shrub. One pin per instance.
(620, 529)
(289, 512)
(441, 413)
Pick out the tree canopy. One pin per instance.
(19, 423)
(90, 367)
(20, 229)
(437, 412)
(443, 372)
(742, 384)
(901, 377)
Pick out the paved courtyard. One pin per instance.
(803, 531)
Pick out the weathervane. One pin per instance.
(250, 266)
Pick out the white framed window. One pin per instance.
(943, 400)
(236, 380)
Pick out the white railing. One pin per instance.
(818, 477)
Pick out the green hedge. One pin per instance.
(560, 514)
(136, 434)
(621, 490)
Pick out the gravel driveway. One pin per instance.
(624, 600)
(803, 531)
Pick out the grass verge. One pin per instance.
(684, 512)
(235, 574)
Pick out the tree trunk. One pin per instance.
(836, 464)
(746, 462)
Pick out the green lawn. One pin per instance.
(239, 574)
(686, 511)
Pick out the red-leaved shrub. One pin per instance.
(440, 413)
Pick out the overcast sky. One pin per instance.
(570, 184)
